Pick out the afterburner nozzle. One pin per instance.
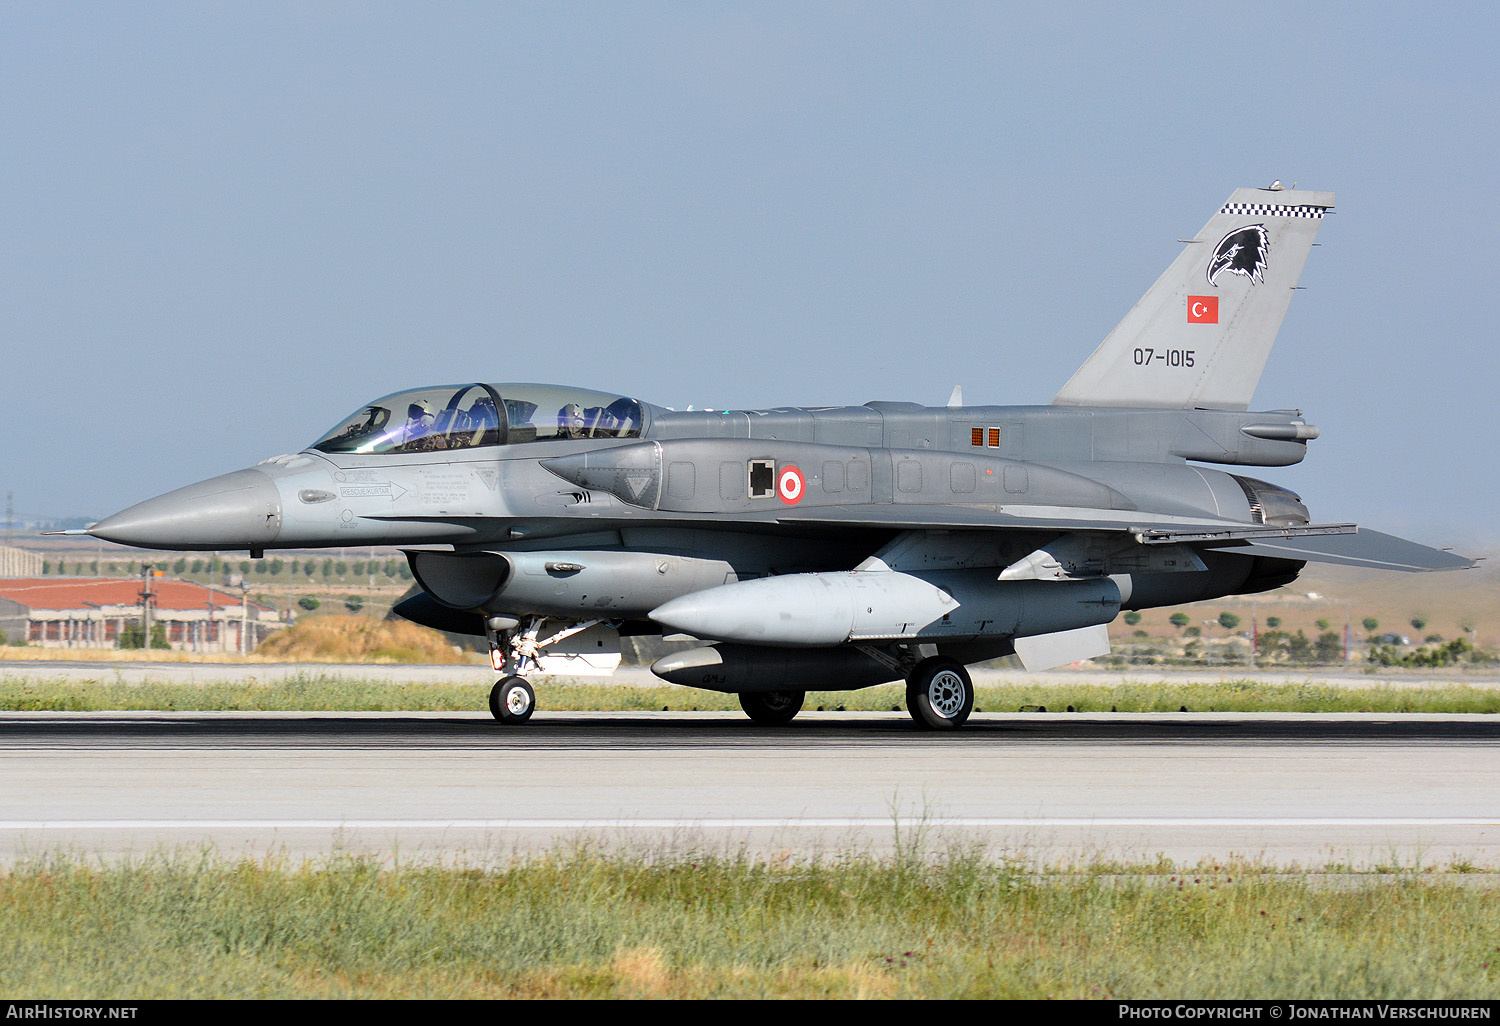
(241, 510)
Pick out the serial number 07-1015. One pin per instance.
(1170, 357)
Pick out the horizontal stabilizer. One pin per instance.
(1362, 548)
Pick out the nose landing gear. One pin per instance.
(513, 650)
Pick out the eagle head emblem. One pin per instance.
(1242, 251)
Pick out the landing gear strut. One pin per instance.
(939, 694)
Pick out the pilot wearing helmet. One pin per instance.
(416, 436)
(570, 422)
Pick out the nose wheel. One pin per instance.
(512, 700)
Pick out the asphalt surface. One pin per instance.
(1306, 790)
(1349, 675)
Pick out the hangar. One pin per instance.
(94, 612)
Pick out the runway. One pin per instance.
(1354, 790)
(1340, 675)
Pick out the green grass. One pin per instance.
(582, 924)
(301, 693)
(326, 692)
(1242, 696)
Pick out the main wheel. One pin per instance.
(512, 700)
(939, 694)
(772, 708)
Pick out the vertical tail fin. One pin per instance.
(1199, 338)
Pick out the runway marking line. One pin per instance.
(729, 823)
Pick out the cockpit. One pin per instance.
(447, 417)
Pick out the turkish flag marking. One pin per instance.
(1203, 309)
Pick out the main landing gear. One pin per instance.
(939, 694)
(772, 708)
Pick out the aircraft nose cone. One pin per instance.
(241, 510)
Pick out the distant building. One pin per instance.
(16, 562)
(92, 612)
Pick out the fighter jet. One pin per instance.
(836, 547)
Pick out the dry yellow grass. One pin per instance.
(358, 639)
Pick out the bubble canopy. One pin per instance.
(444, 417)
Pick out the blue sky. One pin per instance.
(227, 225)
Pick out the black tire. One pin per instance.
(939, 694)
(772, 708)
(512, 700)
